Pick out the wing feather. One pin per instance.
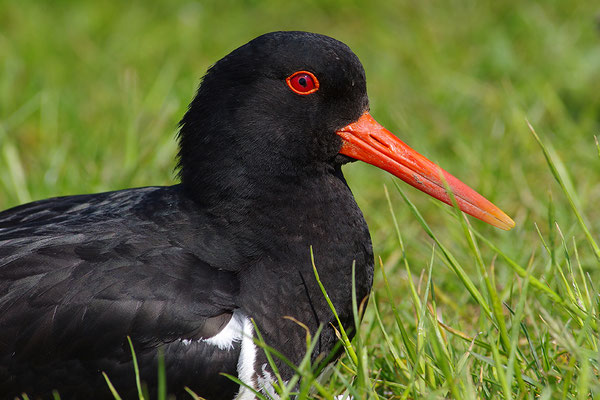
(80, 273)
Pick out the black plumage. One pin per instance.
(261, 183)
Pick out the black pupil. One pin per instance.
(302, 81)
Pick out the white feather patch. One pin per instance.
(228, 336)
(239, 329)
(231, 334)
(265, 383)
(247, 361)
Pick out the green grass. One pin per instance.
(91, 92)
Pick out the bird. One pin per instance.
(194, 271)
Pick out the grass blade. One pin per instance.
(136, 368)
(345, 339)
(567, 193)
(111, 387)
(162, 376)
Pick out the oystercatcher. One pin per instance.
(185, 268)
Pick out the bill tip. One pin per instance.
(506, 222)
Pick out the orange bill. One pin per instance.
(368, 141)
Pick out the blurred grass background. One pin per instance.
(91, 93)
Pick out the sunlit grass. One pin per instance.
(504, 95)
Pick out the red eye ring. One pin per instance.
(303, 82)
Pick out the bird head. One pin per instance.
(287, 105)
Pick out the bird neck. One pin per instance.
(261, 211)
(229, 186)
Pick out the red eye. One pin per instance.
(303, 82)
